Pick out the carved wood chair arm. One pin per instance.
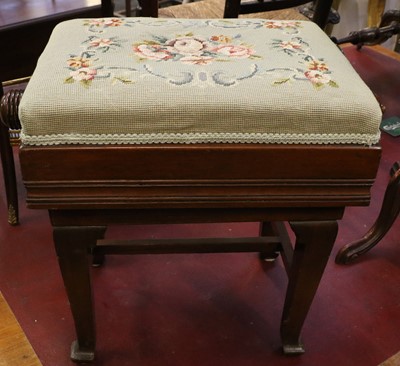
(9, 109)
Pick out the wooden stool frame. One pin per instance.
(95, 186)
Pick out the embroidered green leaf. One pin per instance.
(333, 84)
(281, 81)
(123, 80)
(69, 80)
(86, 83)
(150, 43)
(318, 86)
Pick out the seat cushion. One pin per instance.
(215, 9)
(144, 80)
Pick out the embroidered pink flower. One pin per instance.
(317, 77)
(234, 51)
(290, 45)
(281, 24)
(318, 65)
(152, 52)
(197, 60)
(83, 74)
(95, 22)
(187, 45)
(100, 42)
(113, 22)
(78, 62)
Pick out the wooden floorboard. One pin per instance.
(15, 349)
(392, 361)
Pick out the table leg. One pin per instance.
(73, 246)
(10, 182)
(314, 242)
(389, 211)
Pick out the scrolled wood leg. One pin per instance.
(73, 246)
(314, 242)
(389, 211)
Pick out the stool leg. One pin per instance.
(314, 242)
(73, 246)
(389, 211)
(267, 229)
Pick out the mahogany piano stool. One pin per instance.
(155, 121)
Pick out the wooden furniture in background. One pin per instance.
(380, 69)
(375, 12)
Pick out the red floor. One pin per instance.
(208, 310)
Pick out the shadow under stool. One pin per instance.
(146, 121)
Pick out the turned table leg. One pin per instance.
(10, 181)
(388, 214)
(73, 246)
(314, 242)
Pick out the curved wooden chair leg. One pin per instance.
(388, 214)
(9, 119)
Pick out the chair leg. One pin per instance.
(389, 211)
(314, 242)
(73, 247)
(10, 181)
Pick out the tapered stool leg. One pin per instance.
(314, 242)
(73, 246)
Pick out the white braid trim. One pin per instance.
(195, 138)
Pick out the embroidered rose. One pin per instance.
(100, 42)
(94, 22)
(83, 74)
(281, 24)
(317, 77)
(290, 45)
(153, 52)
(187, 45)
(113, 22)
(234, 51)
(78, 62)
(318, 65)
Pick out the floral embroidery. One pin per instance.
(316, 70)
(295, 45)
(102, 44)
(195, 50)
(276, 24)
(99, 25)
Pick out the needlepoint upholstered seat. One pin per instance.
(143, 80)
(144, 121)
